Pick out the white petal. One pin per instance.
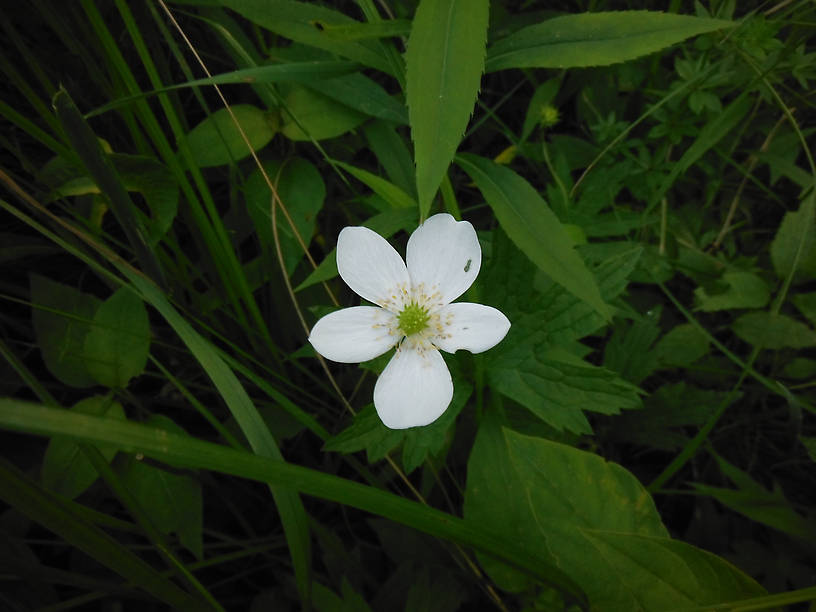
(353, 335)
(473, 327)
(414, 389)
(444, 255)
(371, 267)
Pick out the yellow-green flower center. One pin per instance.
(413, 319)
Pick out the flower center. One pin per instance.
(413, 319)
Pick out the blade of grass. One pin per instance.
(159, 444)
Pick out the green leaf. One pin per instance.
(595, 519)
(309, 115)
(744, 290)
(171, 501)
(534, 228)
(366, 433)
(793, 250)
(65, 469)
(307, 23)
(444, 63)
(389, 192)
(362, 94)
(557, 387)
(773, 331)
(595, 39)
(628, 351)
(757, 503)
(217, 140)
(302, 191)
(117, 346)
(681, 346)
(62, 319)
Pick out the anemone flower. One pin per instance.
(413, 312)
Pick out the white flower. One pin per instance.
(413, 311)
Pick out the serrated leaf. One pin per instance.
(118, 343)
(65, 469)
(534, 228)
(62, 316)
(795, 244)
(773, 331)
(629, 351)
(595, 39)
(745, 290)
(172, 501)
(309, 115)
(217, 140)
(557, 387)
(444, 65)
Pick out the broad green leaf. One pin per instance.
(189, 452)
(302, 191)
(309, 115)
(217, 140)
(557, 387)
(653, 573)
(793, 250)
(773, 331)
(373, 29)
(307, 23)
(117, 346)
(681, 346)
(595, 39)
(172, 501)
(800, 368)
(744, 290)
(65, 469)
(62, 319)
(534, 228)
(595, 519)
(444, 64)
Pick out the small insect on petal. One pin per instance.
(467, 265)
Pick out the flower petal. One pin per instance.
(414, 389)
(371, 267)
(353, 335)
(443, 255)
(473, 327)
